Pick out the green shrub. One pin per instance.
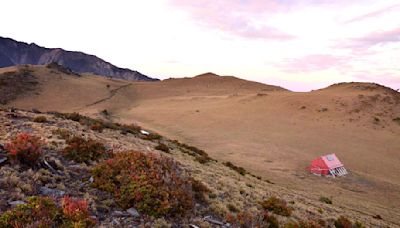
(25, 149)
(40, 119)
(202, 159)
(162, 147)
(62, 133)
(200, 155)
(152, 137)
(154, 185)
(105, 112)
(99, 127)
(250, 220)
(44, 212)
(305, 224)
(232, 208)
(277, 206)
(325, 199)
(343, 222)
(132, 129)
(238, 169)
(82, 150)
(199, 189)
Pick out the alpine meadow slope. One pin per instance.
(271, 132)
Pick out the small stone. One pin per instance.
(213, 221)
(119, 214)
(3, 160)
(115, 222)
(132, 211)
(17, 202)
(51, 192)
(91, 179)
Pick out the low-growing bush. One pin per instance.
(232, 208)
(305, 224)
(62, 133)
(202, 159)
(44, 212)
(162, 147)
(277, 206)
(200, 155)
(132, 129)
(25, 149)
(344, 222)
(152, 137)
(325, 199)
(250, 220)
(82, 150)
(76, 212)
(397, 120)
(99, 127)
(40, 119)
(238, 169)
(155, 185)
(199, 189)
(105, 113)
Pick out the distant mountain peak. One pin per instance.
(208, 74)
(16, 53)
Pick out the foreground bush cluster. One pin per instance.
(83, 151)
(155, 185)
(25, 149)
(44, 212)
(277, 206)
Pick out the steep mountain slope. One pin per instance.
(269, 131)
(16, 53)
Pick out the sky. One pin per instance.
(297, 44)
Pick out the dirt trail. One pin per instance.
(112, 94)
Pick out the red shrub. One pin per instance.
(155, 185)
(44, 212)
(25, 149)
(277, 206)
(250, 220)
(82, 150)
(74, 209)
(343, 222)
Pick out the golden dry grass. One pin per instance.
(269, 131)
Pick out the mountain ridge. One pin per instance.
(14, 52)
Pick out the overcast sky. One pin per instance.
(297, 44)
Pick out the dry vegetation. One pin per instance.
(16, 83)
(251, 144)
(54, 188)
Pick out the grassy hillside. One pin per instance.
(271, 132)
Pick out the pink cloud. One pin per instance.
(312, 63)
(235, 16)
(380, 37)
(373, 13)
(361, 45)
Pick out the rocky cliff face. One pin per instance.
(15, 53)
